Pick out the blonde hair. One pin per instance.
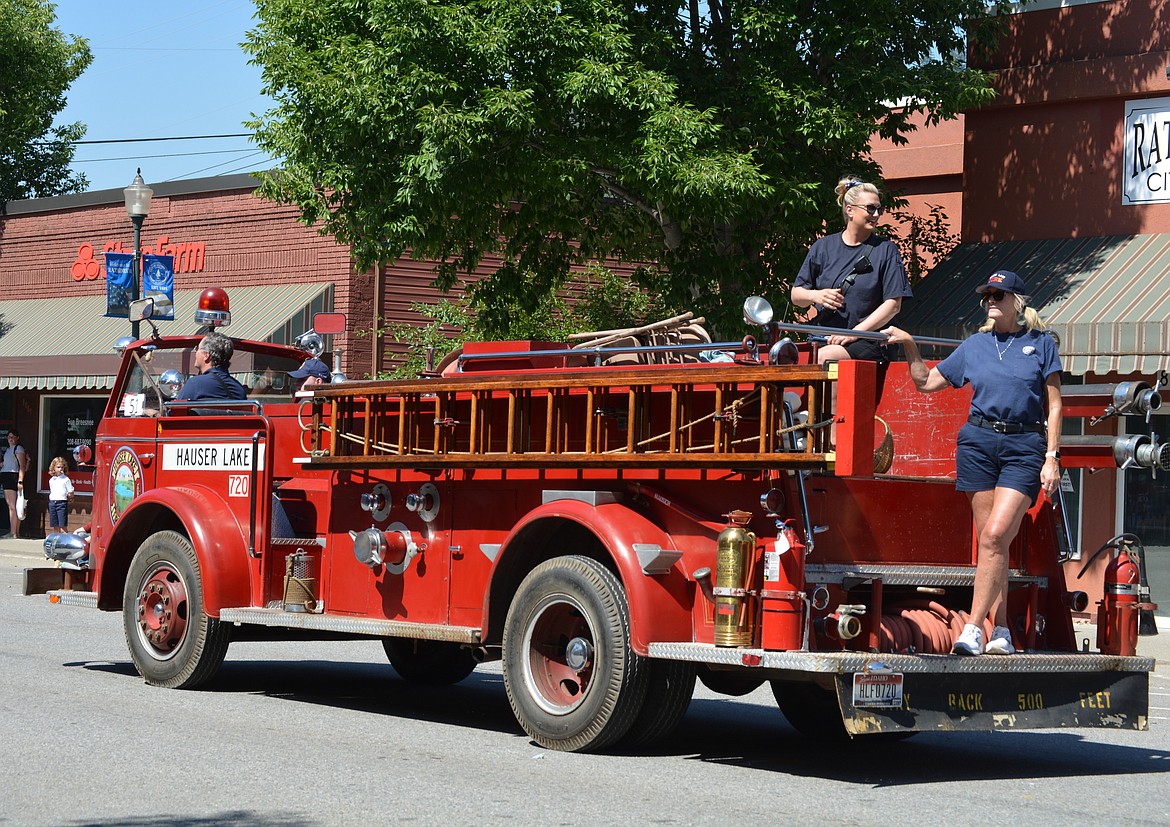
(64, 464)
(848, 188)
(1025, 315)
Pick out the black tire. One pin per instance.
(572, 608)
(172, 641)
(811, 710)
(428, 662)
(728, 683)
(670, 687)
(815, 713)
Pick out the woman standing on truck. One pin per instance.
(1009, 448)
(855, 278)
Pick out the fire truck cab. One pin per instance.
(612, 529)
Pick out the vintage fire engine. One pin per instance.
(612, 522)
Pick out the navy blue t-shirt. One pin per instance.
(830, 260)
(1006, 373)
(214, 383)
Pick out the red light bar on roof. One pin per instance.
(213, 310)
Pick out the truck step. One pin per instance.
(87, 600)
(897, 575)
(844, 662)
(349, 625)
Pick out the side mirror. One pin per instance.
(142, 309)
(329, 322)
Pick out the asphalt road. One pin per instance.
(325, 734)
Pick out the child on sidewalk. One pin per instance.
(60, 493)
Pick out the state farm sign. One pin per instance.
(189, 257)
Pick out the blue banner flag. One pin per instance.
(158, 283)
(119, 280)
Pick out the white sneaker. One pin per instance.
(1001, 642)
(970, 642)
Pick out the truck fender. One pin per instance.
(660, 605)
(218, 539)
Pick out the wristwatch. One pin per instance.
(1053, 455)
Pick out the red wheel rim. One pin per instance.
(558, 628)
(162, 612)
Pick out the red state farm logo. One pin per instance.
(86, 268)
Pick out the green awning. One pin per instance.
(1107, 297)
(68, 344)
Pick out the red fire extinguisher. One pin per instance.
(1117, 612)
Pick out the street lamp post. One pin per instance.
(138, 197)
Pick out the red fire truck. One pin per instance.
(612, 522)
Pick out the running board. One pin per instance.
(869, 662)
(349, 625)
(87, 600)
(893, 575)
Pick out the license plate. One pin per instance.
(879, 689)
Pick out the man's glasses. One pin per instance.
(997, 295)
(873, 209)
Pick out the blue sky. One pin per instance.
(163, 70)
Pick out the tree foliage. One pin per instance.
(924, 240)
(703, 139)
(37, 65)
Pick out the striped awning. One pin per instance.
(68, 344)
(1107, 297)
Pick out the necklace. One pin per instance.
(1011, 339)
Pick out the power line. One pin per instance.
(167, 49)
(214, 166)
(145, 140)
(164, 155)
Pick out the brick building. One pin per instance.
(1065, 179)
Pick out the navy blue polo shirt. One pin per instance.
(830, 260)
(1006, 372)
(214, 383)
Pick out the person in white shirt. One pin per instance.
(60, 493)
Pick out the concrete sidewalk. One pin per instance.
(22, 554)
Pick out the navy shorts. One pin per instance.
(868, 350)
(985, 460)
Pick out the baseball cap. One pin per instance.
(1004, 280)
(311, 367)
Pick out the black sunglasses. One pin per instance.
(873, 209)
(992, 294)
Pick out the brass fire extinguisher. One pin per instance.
(733, 565)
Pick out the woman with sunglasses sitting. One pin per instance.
(1009, 448)
(855, 278)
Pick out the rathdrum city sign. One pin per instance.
(1146, 174)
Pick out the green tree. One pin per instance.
(703, 139)
(37, 65)
(924, 241)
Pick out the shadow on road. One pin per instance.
(728, 731)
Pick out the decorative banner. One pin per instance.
(158, 283)
(1146, 174)
(119, 282)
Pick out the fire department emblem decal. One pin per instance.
(125, 482)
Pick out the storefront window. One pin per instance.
(1146, 498)
(68, 429)
(1146, 508)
